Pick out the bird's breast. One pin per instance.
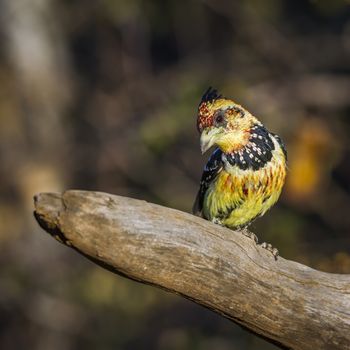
(239, 195)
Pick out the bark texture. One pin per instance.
(287, 303)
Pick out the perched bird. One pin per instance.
(245, 173)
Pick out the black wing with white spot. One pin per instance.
(281, 143)
(211, 170)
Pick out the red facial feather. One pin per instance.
(205, 118)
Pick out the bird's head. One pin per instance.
(223, 123)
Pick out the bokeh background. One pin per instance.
(102, 95)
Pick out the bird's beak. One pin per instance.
(208, 138)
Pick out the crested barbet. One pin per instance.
(245, 173)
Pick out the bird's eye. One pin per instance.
(219, 120)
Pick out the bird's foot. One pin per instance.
(217, 221)
(249, 234)
(267, 246)
(271, 249)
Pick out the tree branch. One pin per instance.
(287, 303)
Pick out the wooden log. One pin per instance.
(289, 304)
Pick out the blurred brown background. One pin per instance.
(102, 95)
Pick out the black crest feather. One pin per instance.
(210, 95)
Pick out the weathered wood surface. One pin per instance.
(287, 303)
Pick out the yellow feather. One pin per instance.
(238, 196)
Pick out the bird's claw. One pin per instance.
(249, 234)
(217, 222)
(267, 246)
(270, 248)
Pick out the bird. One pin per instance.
(246, 171)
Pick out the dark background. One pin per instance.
(102, 95)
